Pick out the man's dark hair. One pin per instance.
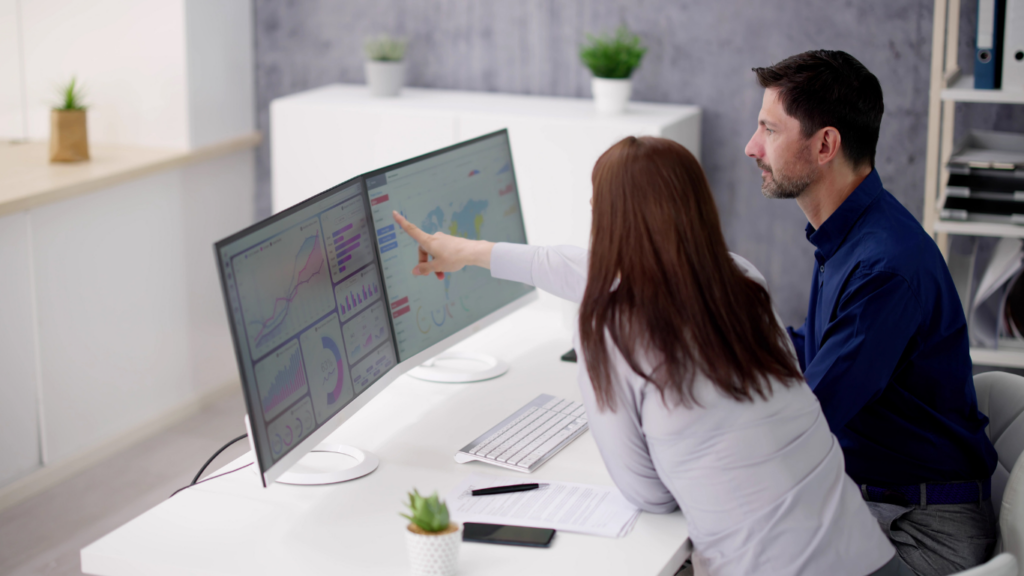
(830, 88)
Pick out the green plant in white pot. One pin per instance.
(432, 539)
(612, 60)
(385, 65)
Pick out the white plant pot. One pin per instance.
(611, 94)
(385, 78)
(432, 554)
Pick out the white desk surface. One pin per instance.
(232, 525)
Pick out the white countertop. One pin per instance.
(28, 178)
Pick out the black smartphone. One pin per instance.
(513, 535)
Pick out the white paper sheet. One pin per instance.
(986, 315)
(563, 506)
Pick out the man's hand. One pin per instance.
(440, 253)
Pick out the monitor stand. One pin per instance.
(328, 463)
(458, 367)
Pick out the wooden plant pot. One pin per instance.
(433, 554)
(69, 141)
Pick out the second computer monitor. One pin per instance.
(467, 190)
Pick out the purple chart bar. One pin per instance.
(348, 249)
(344, 229)
(347, 242)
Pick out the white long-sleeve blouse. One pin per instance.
(762, 483)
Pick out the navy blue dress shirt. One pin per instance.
(885, 348)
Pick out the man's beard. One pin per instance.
(782, 186)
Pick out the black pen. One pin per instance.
(506, 489)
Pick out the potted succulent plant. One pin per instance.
(385, 68)
(432, 540)
(612, 60)
(69, 141)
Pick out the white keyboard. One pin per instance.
(526, 439)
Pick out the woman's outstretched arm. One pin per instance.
(440, 253)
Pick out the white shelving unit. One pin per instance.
(979, 229)
(949, 86)
(961, 89)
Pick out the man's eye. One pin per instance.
(769, 130)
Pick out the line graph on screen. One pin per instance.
(283, 286)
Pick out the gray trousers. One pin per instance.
(937, 540)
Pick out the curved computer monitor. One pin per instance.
(323, 307)
(466, 190)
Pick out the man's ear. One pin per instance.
(828, 142)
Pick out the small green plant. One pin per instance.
(613, 56)
(70, 96)
(429, 513)
(385, 48)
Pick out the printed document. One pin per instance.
(563, 506)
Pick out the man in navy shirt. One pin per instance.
(884, 346)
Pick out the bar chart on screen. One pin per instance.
(357, 291)
(349, 245)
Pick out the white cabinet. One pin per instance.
(19, 411)
(325, 136)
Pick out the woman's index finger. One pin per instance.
(410, 228)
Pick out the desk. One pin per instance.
(233, 526)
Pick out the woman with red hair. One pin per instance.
(692, 388)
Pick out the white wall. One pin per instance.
(131, 317)
(220, 69)
(112, 316)
(12, 125)
(129, 56)
(19, 441)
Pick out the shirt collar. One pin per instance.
(829, 237)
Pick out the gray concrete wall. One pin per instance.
(700, 53)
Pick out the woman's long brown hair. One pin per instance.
(680, 302)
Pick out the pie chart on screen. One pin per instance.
(330, 345)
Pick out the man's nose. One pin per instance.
(754, 149)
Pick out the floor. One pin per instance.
(43, 535)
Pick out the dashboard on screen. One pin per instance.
(468, 191)
(309, 315)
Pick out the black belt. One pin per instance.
(930, 493)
